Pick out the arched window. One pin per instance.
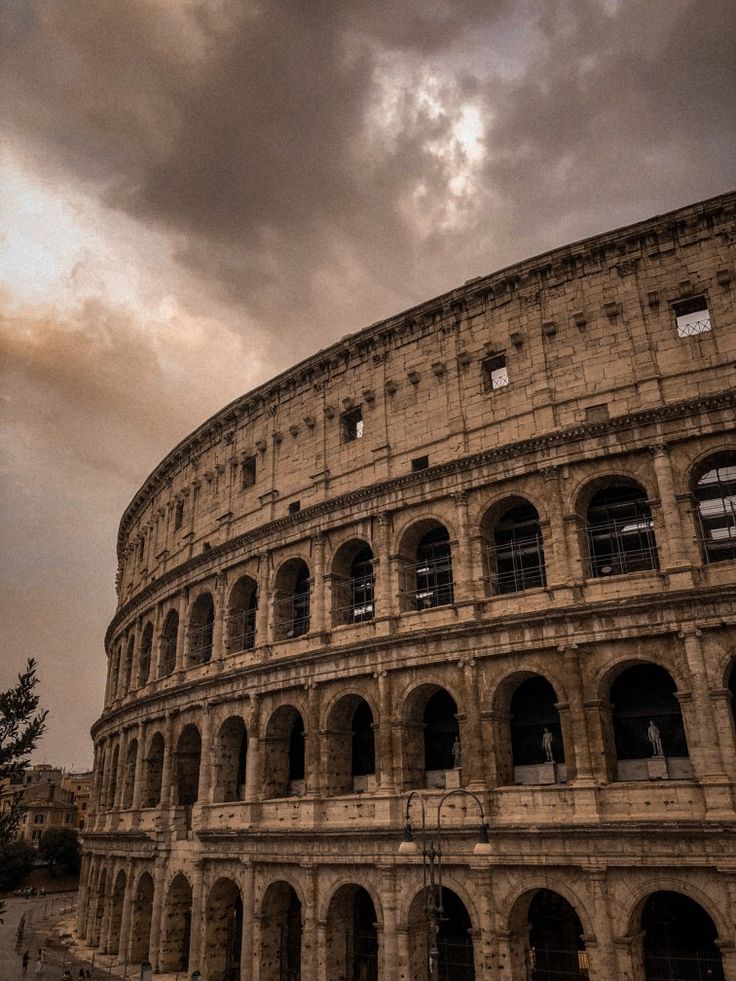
(241, 621)
(283, 771)
(427, 573)
(154, 772)
(454, 937)
(281, 934)
(516, 555)
(556, 947)
(144, 658)
(715, 495)
(441, 731)
(129, 774)
(176, 926)
(188, 759)
(232, 756)
(223, 932)
(167, 661)
(292, 600)
(536, 735)
(620, 532)
(679, 939)
(648, 730)
(128, 672)
(353, 584)
(351, 757)
(732, 690)
(201, 628)
(351, 935)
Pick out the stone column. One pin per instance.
(83, 896)
(122, 766)
(312, 772)
(472, 749)
(124, 945)
(402, 943)
(155, 670)
(139, 762)
(389, 948)
(384, 590)
(313, 938)
(603, 965)
(703, 731)
(317, 599)
(385, 755)
(579, 750)
(465, 583)
(673, 544)
(252, 767)
(159, 884)
(248, 897)
(182, 636)
(198, 917)
(559, 569)
(106, 916)
(168, 762)
(722, 708)
(264, 614)
(204, 791)
(218, 647)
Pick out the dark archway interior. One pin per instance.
(144, 658)
(640, 695)
(201, 630)
(434, 586)
(154, 772)
(679, 940)
(188, 759)
(441, 729)
(232, 745)
(177, 926)
(555, 939)
(168, 644)
(715, 494)
(363, 742)
(517, 555)
(620, 532)
(224, 932)
(454, 940)
(533, 709)
(142, 915)
(296, 750)
(281, 935)
(242, 615)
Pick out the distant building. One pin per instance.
(51, 798)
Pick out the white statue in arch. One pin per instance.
(655, 739)
(547, 745)
(457, 754)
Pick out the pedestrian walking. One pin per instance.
(24, 961)
(39, 964)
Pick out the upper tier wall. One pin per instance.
(588, 332)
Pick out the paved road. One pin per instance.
(36, 911)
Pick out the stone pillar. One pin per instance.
(464, 577)
(182, 636)
(317, 604)
(83, 896)
(168, 762)
(578, 751)
(473, 756)
(204, 791)
(384, 747)
(389, 941)
(106, 916)
(673, 544)
(264, 613)
(557, 558)
(155, 670)
(122, 765)
(139, 763)
(124, 945)
(313, 934)
(159, 885)
(252, 768)
(402, 943)
(312, 771)
(722, 708)
(198, 917)
(218, 628)
(248, 896)
(384, 591)
(603, 964)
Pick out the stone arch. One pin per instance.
(350, 744)
(425, 565)
(201, 628)
(113, 778)
(292, 598)
(242, 609)
(546, 932)
(511, 532)
(129, 774)
(284, 753)
(430, 736)
(99, 909)
(116, 912)
(352, 582)
(154, 771)
(176, 925)
(281, 951)
(127, 678)
(456, 952)
(713, 489)
(223, 931)
(144, 655)
(525, 711)
(187, 760)
(351, 934)
(645, 734)
(731, 687)
(167, 644)
(141, 917)
(231, 756)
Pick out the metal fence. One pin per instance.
(683, 965)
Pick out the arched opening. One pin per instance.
(715, 497)
(129, 773)
(223, 932)
(431, 739)
(351, 757)
(241, 618)
(514, 550)
(648, 731)
(201, 628)
(537, 749)
(187, 760)
(154, 772)
(353, 584)
(620, 532)
(96, 932)
(292, 600)
(556, 947)
(426, 567)
(176, 927)
(128, 666)
(732, 690)
(141, 918)
(116, 913)
(232, 756)
(454, 938)
(352, 936)
(680, 940)
(144, 657)
(114, 669)
(113, 784)
(284, 754)
(281, 934)
(167, 660)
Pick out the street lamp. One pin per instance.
(431, 852)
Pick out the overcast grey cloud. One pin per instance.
(203, 192)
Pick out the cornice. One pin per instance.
(210, 560)
(621, 245)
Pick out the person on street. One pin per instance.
(24, 961)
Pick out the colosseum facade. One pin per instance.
(461, 583)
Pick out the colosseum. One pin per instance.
(425, 650)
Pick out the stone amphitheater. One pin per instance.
(424, 655)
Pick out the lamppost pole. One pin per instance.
(431, 852)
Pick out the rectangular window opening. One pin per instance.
(248, 473)
(692, 316)
(495, 372)
(294, 507)
(352, 424)
(419, 463)
(179, 515)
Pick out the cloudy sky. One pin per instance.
(196, 194)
